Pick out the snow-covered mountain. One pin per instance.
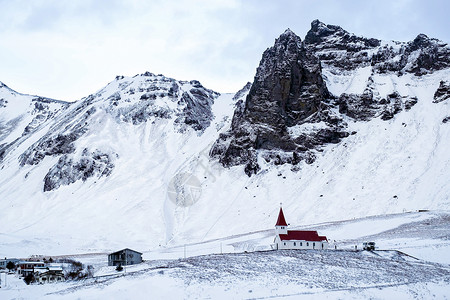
(335, 126)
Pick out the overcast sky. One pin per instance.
(68, 49)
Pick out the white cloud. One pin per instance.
(68, 49)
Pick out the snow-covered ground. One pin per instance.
(412, 261)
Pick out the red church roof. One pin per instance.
(281, 220)
(302, 236)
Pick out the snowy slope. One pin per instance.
(21, 115)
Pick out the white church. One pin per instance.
(296, 239)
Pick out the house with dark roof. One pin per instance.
(124, 257)
(296, 239)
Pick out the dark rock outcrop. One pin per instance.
(443, 92)
(338, 48)
(197, 111)
(289, 113)
(68, 171)
(60, 144)
(288, 90)
(424, 55)
(155, 93)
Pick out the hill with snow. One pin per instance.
(334, 126)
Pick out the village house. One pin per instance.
(4, 262)
(49, 274)
(296, 239)
(124, 257)
(25, 268)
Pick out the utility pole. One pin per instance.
(184, 251)
(221, 248)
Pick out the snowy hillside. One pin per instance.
(149, 161)
(412, 263)
(22, 114)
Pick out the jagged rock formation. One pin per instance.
(288, 90)
(160, 97)
(337, 47)
(343, 50)
(289, 93)
(443, 92)
(67, 171)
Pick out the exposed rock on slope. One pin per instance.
(289, 113)
(338, 48)
(148, 96)
(288, 91)
(443, 92)
(67, 171)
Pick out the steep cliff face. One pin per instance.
(288, 90)
(290, 114)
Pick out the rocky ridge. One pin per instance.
(289, 92)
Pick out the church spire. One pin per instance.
(281, 220)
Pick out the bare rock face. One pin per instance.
(289, 114)
(68, 170)
(424, 55)
(148, 96)
(443, 92)
(288, 90)
(335, 46)
(345, 51)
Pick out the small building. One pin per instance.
(4, 262)
(49, 274)
(124, 257)
(25, 268)
(296, 239)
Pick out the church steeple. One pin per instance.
(281, 220)
(281, 225)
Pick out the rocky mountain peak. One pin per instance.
(422, 41)
(331, 36)
(286, 45)
(289, 113)
(287, 34)
(320, 31)
(288, 89)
